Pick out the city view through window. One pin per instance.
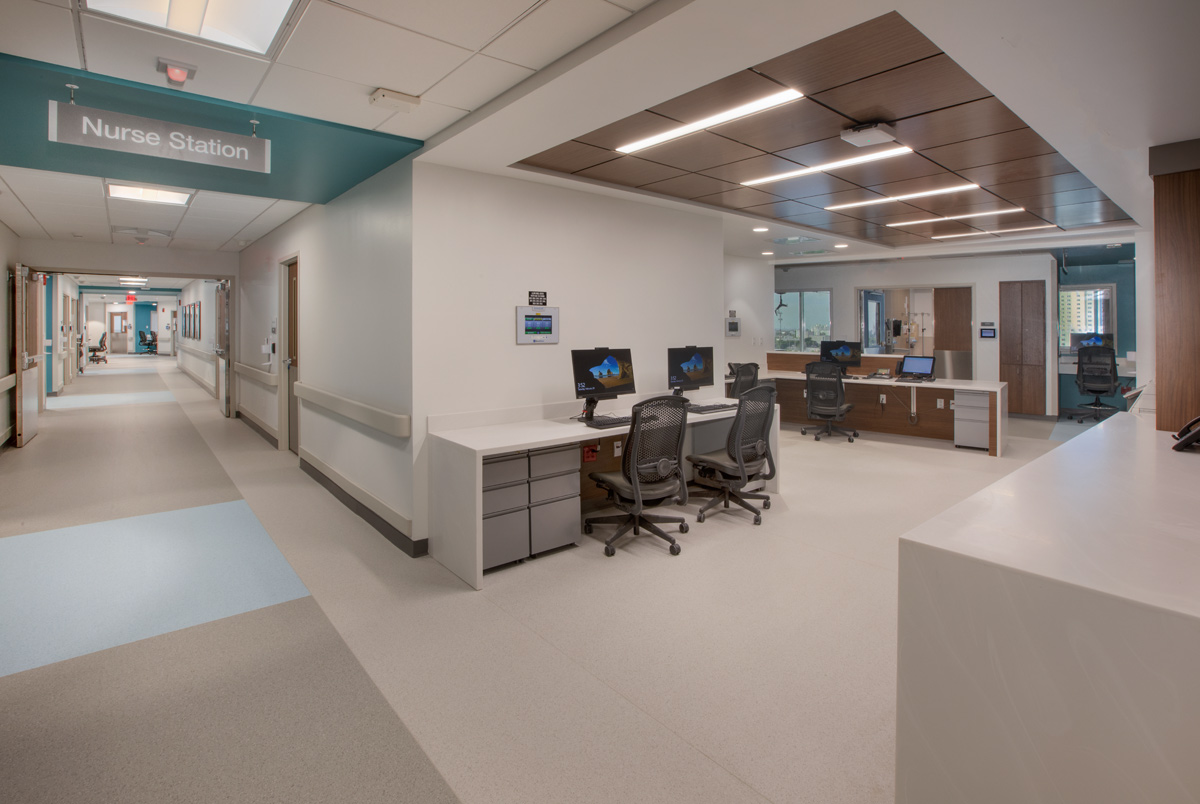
(1084, 310)
(801, 320)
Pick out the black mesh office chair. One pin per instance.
(99, 353)
(651, 472)
(1096, 374)
(724, 474)
(827, 399)
(745, 377)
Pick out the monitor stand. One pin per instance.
(589, 408)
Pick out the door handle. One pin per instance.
(287, 362)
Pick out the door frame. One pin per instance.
(282, 341)
(22, 361)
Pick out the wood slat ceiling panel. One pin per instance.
(786, 126)
(1018, 170)
(935, 83)
(1043, 185)
(630, 171)
(569, 157)
(728, 93)
(1041, 203)
(846, 197)
(902, 240)
(817, 218)
(738, 199)
(942, 204)
(967, 121)
(860, 229)
(984, 203)
(698, 151)
(940, 228)
(869, 174)
(1089, 214)
(807, 186)
(755, 168)
(888, 213)
(875, 46)
(832, 149)
(630, 129)
(690, 185)
(1016, 144)
(784, 209)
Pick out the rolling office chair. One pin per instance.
(651, 472)
(1096, 374)
(745, 377)
(99, 353)
(724, 474)
(149, 343)
(827, 399)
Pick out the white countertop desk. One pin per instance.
(1049, 631)
(456, 473)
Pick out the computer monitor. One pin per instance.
(844, 353)
(601, 373)
(1090, 339)
(917, 366)
(689, 367)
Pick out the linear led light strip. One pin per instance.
(996, 232)
(723, 117)
(858, 160)
(958, 188)
(958, 217)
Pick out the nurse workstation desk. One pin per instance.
(504, 492)
(971, 413)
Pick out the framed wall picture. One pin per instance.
(197, 320)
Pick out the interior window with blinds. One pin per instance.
(1084, 311)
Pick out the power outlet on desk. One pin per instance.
(591, 452)
(616, 449)
(941, 404)
(883, 399)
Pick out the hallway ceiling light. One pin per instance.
(887, 153)
(769, 102)
(842, 245)
(245, 24)
(133, 279)
(958, 188)
(996, 232)
(761, 229)
(150, 194)
(959, 217)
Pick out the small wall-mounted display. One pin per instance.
(537, 325)
(733, 327)
(987, 332)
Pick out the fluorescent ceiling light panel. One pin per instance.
(995, 232)
(958, 188)
(133, 279)
(857, 160)
(243, 24)
(151, 194)
(759, 105)
(958, 217)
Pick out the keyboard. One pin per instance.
(711, 408)
(604, 422)
(911, 379)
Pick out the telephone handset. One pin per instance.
(1188, 436)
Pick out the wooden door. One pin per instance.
(1023, 345)
(293, 356)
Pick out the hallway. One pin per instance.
(193, 618)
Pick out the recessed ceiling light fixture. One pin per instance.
(137, 279)
(842, 245)
(958, 188)
(235, 23)
(957, 217)
(768, 253)
(769, 102)
(995, 232)
(154, 195)
(887, 153)
(761, 229)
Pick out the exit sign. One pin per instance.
(131, 298)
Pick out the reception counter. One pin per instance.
(1049, 632)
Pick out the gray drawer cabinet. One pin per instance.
(971, 419)
(530, 503)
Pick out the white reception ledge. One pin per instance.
(1049, 632)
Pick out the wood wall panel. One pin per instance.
(1176, 291)
(1023, 345)
(869, 415)
(1033, 323)
(796, 361)
(952, 319)
(1010, 323)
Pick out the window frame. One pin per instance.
(800, 303)
(1111, 287)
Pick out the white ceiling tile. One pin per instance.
(289, 89)
(132, 53)
(38, 31)
(468, 23)
(423, 122)
(631, 5)
(224, 206)
(15, 216)
(279, 213)
(476, 82)
(146, 216)
(32, 185)
(198, 245)
(553, 30)
(151, 242)
(346, 45)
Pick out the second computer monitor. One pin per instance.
(1079, 339)
(844, 353)
(602, 373)
(689, 367)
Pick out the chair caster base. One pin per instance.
(757, 519)
(767, 504)
(609, 550)
(683, 527)
(700, 517)
(675, 548)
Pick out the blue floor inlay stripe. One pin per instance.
(103, 400)
(77, 590)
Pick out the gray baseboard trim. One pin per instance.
(258, 427)
(393, 534)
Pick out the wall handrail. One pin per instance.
(8, 382)
(191, 350)
(393, 424)
(258, 375)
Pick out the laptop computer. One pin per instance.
(914, 368)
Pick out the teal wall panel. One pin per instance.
(141, 323)
(311, 160)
